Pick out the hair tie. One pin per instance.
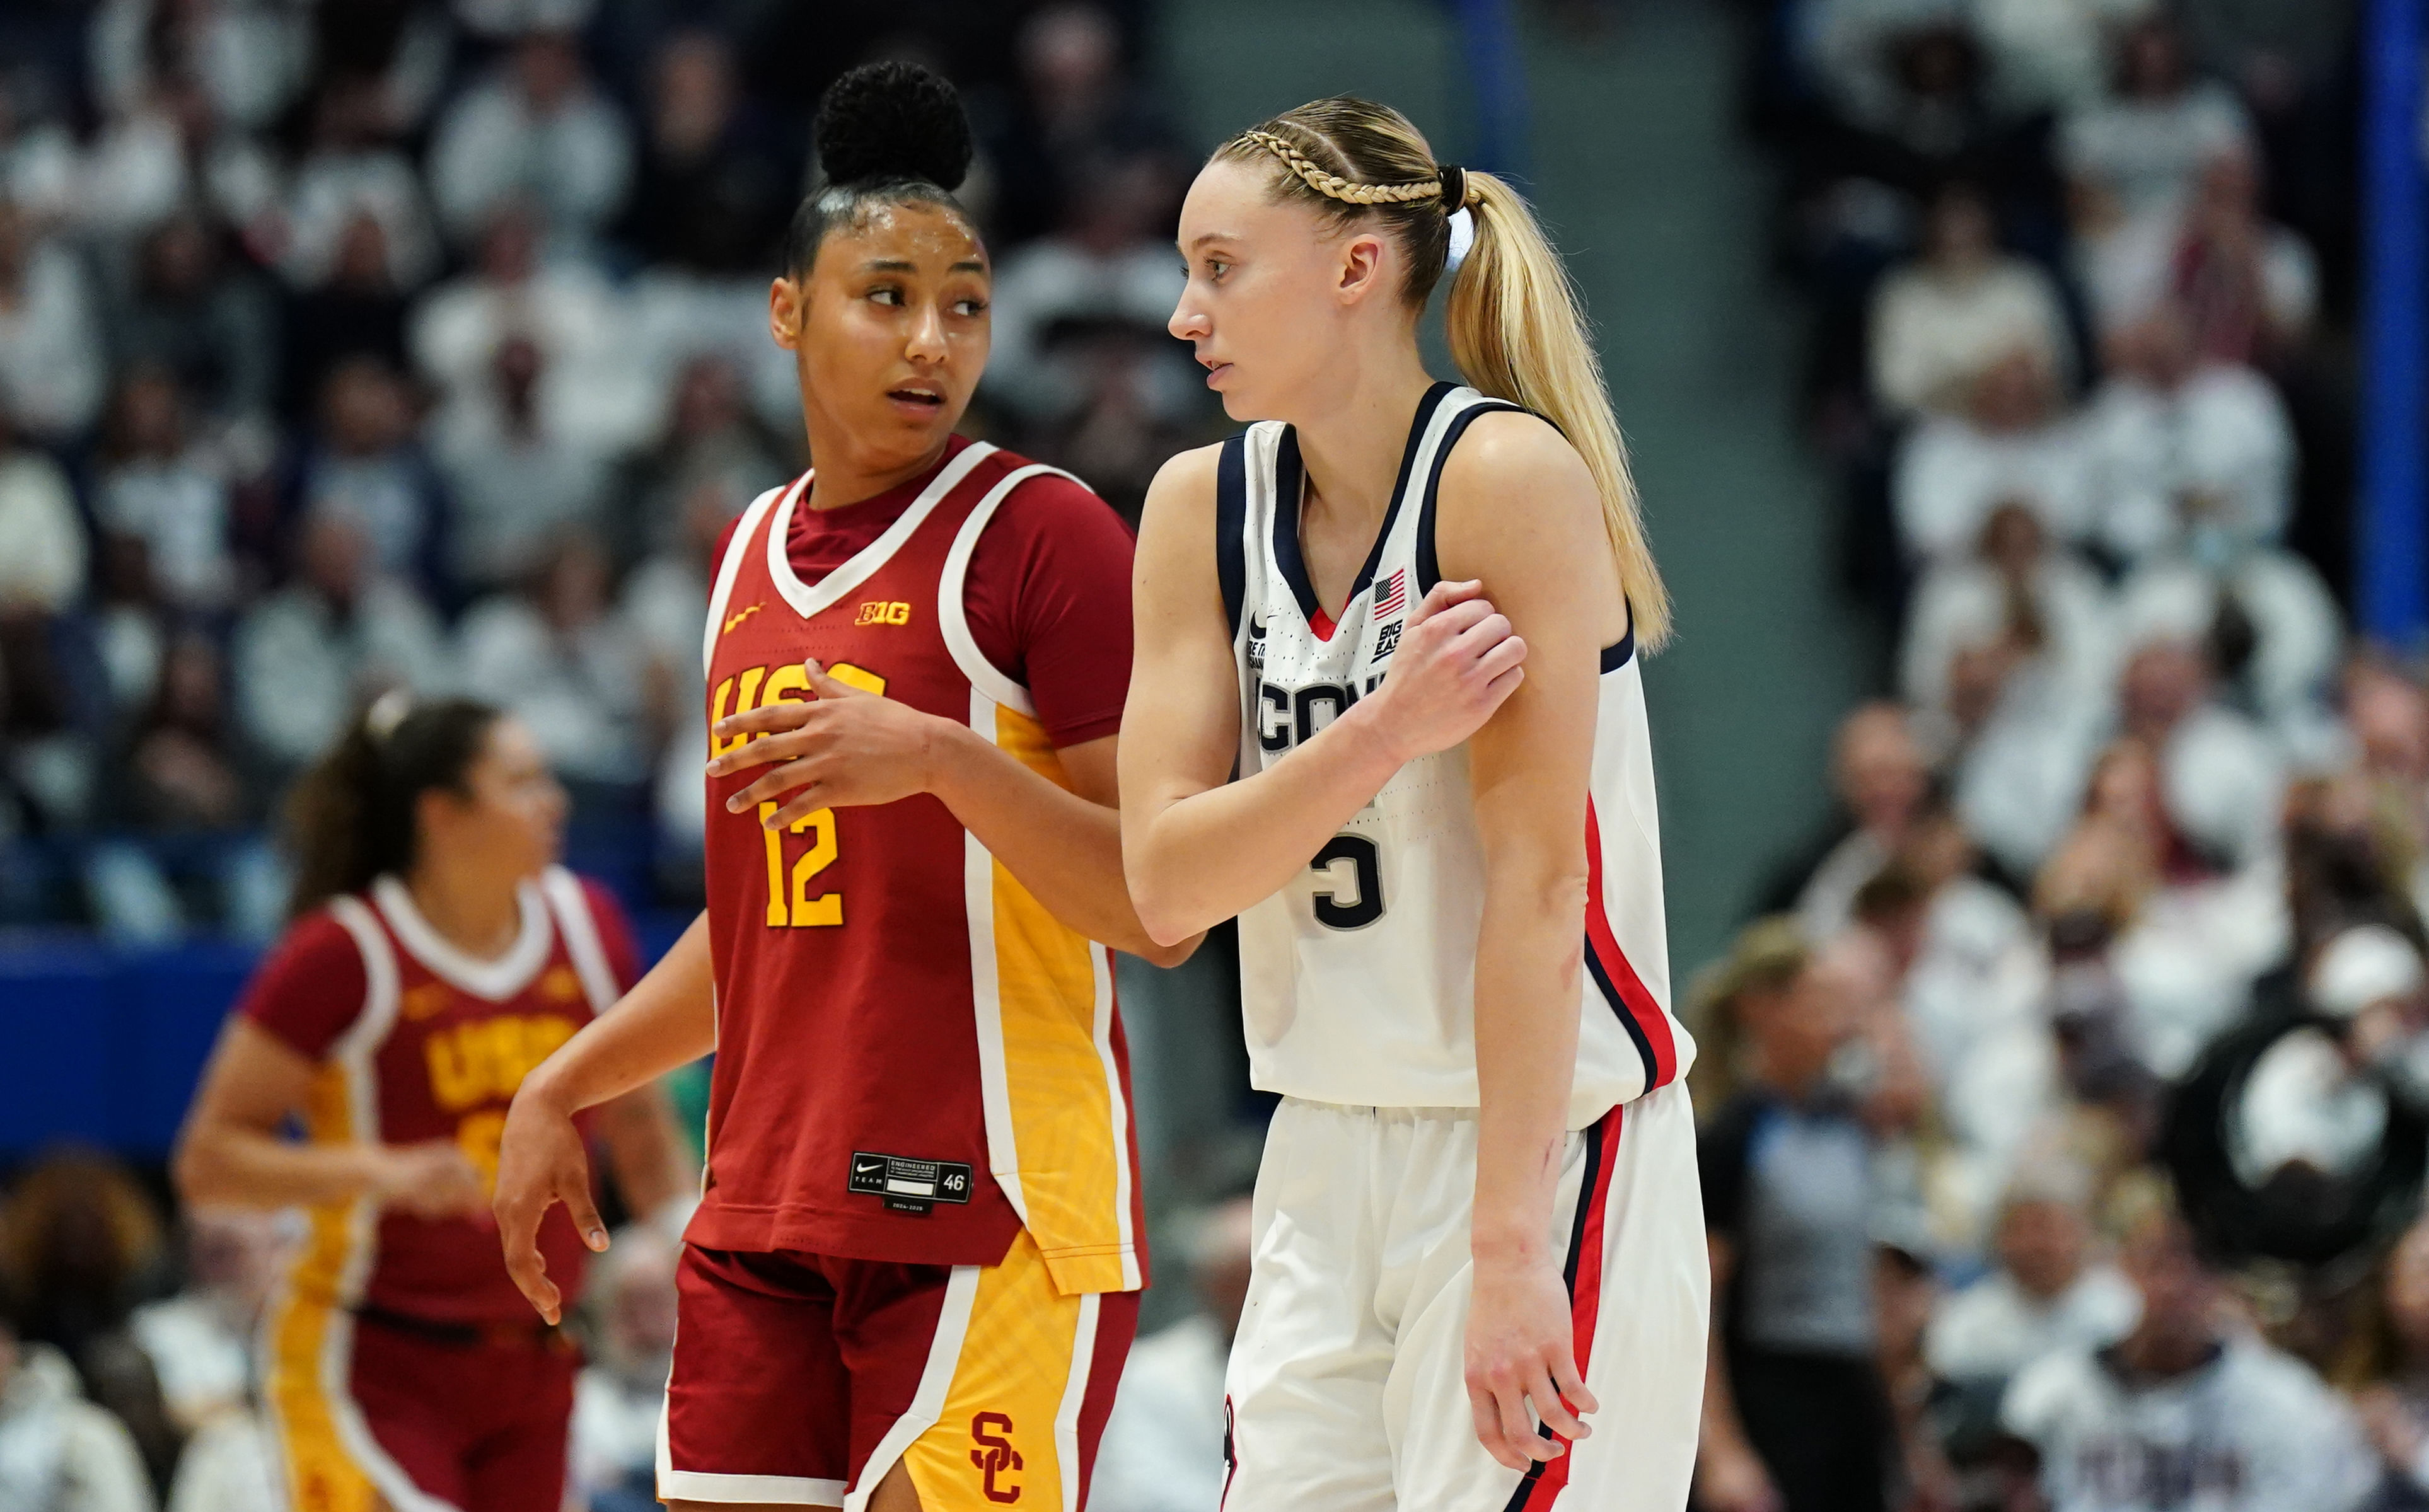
(1463, 237)
(1454, 187)
(387, 712)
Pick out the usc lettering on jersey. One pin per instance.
(915, 1059)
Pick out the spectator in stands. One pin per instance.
(1905, 1290)
(2017, 590)
(133, 620)
(180, 761)
(1794, 1413)
(38, 158)
(517, 481)
(2389, 1398)
(171, 150)
(200, 1342)
(343, 632)
(2187, 448)
(663, 603)
(536, 130)
(1105, 265)
(2013, 440)
(2182, 1411)
(352, 169)
(562, 306)
(1077, 104)
(357, 311)
(1881, 779)
(718, 181)
(249, 57)
(1164, 1444)
(51, 372)
(2047, 1292)
(83, 1241)
(43, 571)
(558, 661)
(158, 485)
(711, 439)
(2221, 778)
(2139, 152)
(366, 463)
(621, 1391)
(2251, 286)
(59, 1453)
(1939, 322)
(2053, 54)
(195, 312)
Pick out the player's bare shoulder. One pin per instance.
(1177, 522)
(1513, 476)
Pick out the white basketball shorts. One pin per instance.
(1346, 1390)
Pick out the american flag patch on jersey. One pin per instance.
(1394, 595)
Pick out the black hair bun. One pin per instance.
(884, 122)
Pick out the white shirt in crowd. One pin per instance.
(2252, 1431)
(1951, 474)
(229, 1465)
(1961, 605)
(179, 509)
(300, 672)
(1163, 1449)
(579, 694)
(43, 566)
(614, 1431)
(2297, 634)
(2223, 433)
(2149, 152)
(58, 1453)
(574, 164)
(1994, 1328)
(1058, 278)
(50, 347)
(1933, 331)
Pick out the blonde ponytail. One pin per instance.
(1517, 333)
(1516, 329)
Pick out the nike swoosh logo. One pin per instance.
(864, 1170)
(738, 617)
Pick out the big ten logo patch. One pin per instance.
(995, 1456)
(883, 612)
(485, 1059)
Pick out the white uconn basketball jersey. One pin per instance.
(1358, 978)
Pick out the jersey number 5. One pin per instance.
(1365, 902)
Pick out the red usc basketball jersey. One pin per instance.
(416, 1041)
(915, 1059)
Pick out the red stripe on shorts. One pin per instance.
(1544, 1482)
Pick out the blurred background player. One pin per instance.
(915, 1273)
(1476, 1216)
(439, 953)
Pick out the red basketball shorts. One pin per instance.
(802, 1379)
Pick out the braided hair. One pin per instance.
(1515, 326)
(886, 134)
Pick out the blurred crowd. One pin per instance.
(419, 343)
(2064, 1104)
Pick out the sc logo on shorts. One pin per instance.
(994, 1455)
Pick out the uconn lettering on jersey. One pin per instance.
(1291, 716)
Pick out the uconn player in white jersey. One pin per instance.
(1477, 1221)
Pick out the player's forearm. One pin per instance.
(1526, 966)
(1198, 859)
(1065, 849)
(668, 1020)
(225, 1165)
(652, 1167)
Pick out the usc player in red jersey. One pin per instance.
(913, 1274)
(438, 952)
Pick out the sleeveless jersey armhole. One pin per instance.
(380, 982)
(952, 608)
(735, 545)
(1231, 527)
(1614, 655)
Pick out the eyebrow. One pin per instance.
(1197, 241)
(896, 265)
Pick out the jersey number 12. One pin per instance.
(1362, 902)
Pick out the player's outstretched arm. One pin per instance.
(1519, 510)
(1200, 847)
(668, 1020)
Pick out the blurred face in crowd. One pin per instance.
(2040, 1243)
(1881, 775)
(889, 329)
(2180, 1298)
(2407, 1289)
(1277, 291)
(332, 554)
(2152, 61)
(365, 408)
(508, 820)
(1796, 1030)
(2388, 716)
(547, 67)
(151, 417)
(2163, 682)
(2013, 394)
(2012, 540)
(695, 94)
(1068, 54)
(1960, 235)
